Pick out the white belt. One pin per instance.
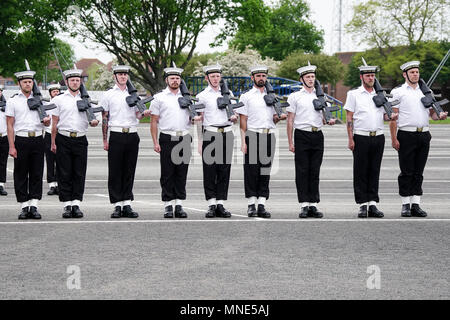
(368, 133)
(176, 133)
(124, 130)
(261, 130)
(29, 134)
(311, 129)
(415, 129)
(221, 130)
(71, 134)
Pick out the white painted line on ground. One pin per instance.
(369, 220)
(271, 180)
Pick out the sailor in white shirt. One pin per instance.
(50, 157)
(123, 144)
(366, 140)
(174, 142)
(216, 144)
(308, 142)
(257, 122)
(26, 146)
(412, 140)
(4, 147)
(70, 144)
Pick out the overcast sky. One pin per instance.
(323, 13)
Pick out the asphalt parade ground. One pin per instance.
(337, 257)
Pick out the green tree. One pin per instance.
(286, 28)
(151, 34)
(388, 23)
(27, 30)
(329, 68)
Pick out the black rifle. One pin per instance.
(133, 100)
(323, 103)
(186, 101)
(2, 103)
(430, 100)
(35, 102)
(273, 101)
(381, 99)
(224, 102)
(84, 105)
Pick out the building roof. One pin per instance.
(85, 64)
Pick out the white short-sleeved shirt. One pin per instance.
(301, 103)
(411, 110)
(70, 119)
(49, 113)
(171, 116)
(120, 114)
(24, 118)
(213, 116)
(366, 117)
(260, 116)
(3, 127)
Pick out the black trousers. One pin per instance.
(258, 163)
(122, 160)
(367, 156)
(4, 151)
(28, 168)
(217, 154)
(50, 159)
(308, 159)
(412, 155)
(175, 156)
(71, 166)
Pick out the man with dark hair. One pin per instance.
(50, 157)
(26, 146)
(412, 140)
(70, 144)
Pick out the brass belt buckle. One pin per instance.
(372, 133)
(73, 134)
(31, 134)
(266, 130)
(221, 130)
(179, 133)
(314, 129)
(125, 130)
(1, 135)
(419, 129)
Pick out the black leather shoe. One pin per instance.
(33, 213)
(179, 212)
(76, 212)
(168, 212)
(362, 212)
(417, 212)
(67, 212)
(211, 213)
(117, 213)
(251, 211)
(221, 212)
(406, 210)
(52, 192)
(374, 212)
(313, 213)
(303, 213)
(262, 213)
(23, 214)
(127, 212)
(3, 191)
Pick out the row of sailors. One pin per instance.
(67, 145)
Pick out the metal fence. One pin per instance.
(283, 87)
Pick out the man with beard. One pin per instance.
(308, 147)
(174, 142)
(26, 146)
(123, 145)
(412, 141)
(3, 145)
(217, 133)
(50, 157)
(366, 140)
(70, 144)
(257, 122)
